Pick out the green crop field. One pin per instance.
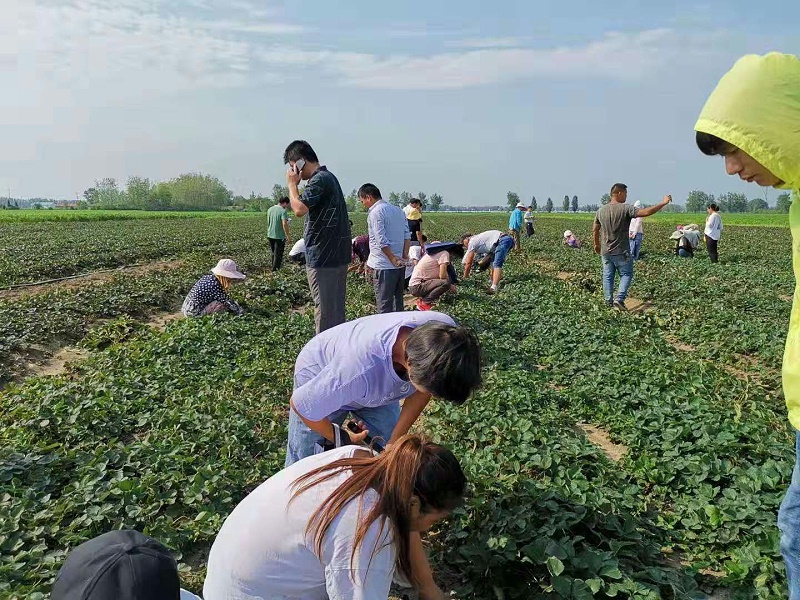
(34, 215)
(609, 454)
(667, 218)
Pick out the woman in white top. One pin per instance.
(713, 231)
(337, 525)
(636, 233)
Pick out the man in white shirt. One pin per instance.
(713, 231)
(389, 241)
(492, 241)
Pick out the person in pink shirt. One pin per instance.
(430, 280)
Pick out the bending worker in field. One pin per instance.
(495, 245)
(367, 366)
(752, 119)
(338, 525)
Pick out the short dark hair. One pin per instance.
(464, 237)
(283, 200)
(617, 188)
(299, 149)
(711, 145)
(415, 201)
(445, 360)
(713, 206)
(369, 189)
(424, 238)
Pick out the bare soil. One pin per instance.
(678, 344)
(601, 439)
(635, 305)
(161, 320)
(56, 364)
(94, 277)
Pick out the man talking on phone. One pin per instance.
(326, 233)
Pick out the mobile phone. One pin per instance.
(369, 441)
(299, 164)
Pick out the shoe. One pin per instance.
(422, 305)
(491, 291)
(620, 305)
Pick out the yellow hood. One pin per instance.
(756, 107)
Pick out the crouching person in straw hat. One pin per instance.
(210, 294)
(571, 240)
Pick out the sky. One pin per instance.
(469, 99)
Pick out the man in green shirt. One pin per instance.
(278, 231)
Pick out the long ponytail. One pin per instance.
(410, 467)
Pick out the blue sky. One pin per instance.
(469, 99)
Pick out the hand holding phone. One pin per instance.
(357, 428)
(293, 176)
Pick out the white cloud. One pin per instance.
(621, 56)
(264, 27)
(123, 47)
(502, 42)
(427, 31)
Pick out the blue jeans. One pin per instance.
(789, 524)
(636, 245)
(379, 420)
(504, 246)
(611, 265)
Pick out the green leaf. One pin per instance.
(555, 566)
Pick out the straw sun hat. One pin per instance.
(227, 268)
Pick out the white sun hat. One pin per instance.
(227, 268)
(521, 205)
(567, 233)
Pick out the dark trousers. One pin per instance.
(529, 229)
(430, 291)
(389, 289)
(328, 287)
(277, 247)
(711, 245)
(451, 274)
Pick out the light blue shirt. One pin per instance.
(515, 220)
(387, 227)
(350, 366)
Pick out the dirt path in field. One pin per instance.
(161, 320)
(678, 344)
(42, 366)
(601, 439)
(79, 281)
(634, 305)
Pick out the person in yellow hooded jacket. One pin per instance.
(752, 119)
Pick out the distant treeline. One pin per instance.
(197, 191)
